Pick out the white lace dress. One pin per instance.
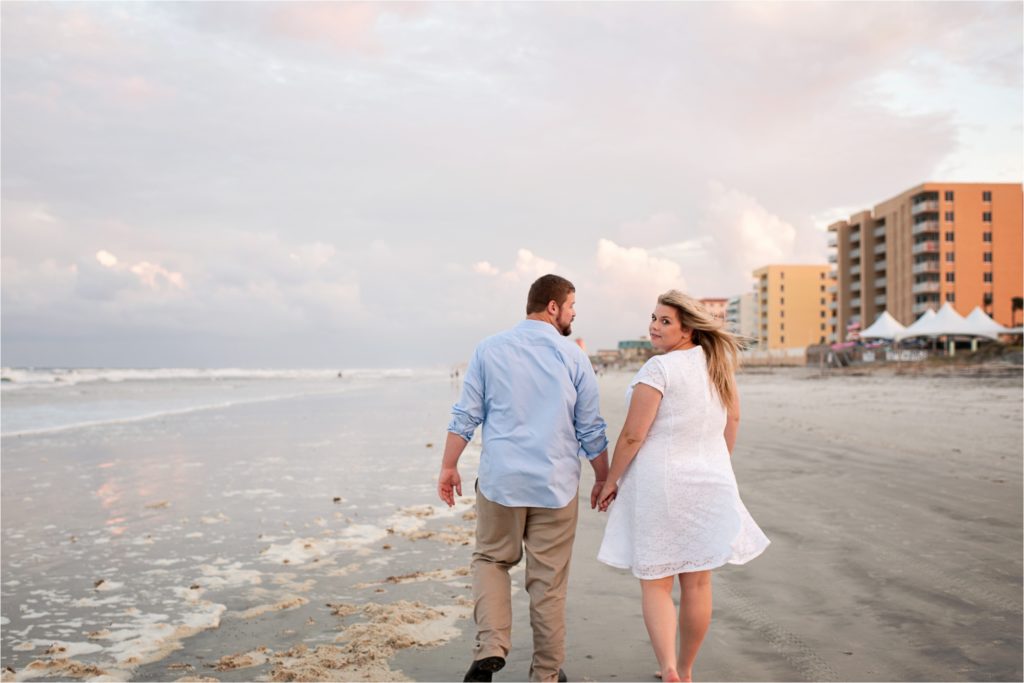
(678, 508)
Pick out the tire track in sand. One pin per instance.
(790, 647)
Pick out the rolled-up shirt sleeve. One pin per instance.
(590, 426)
(468, 412)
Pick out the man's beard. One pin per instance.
(567, 330)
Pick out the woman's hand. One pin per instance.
(608, 493)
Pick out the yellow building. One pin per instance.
(936, 242)
(791, 306)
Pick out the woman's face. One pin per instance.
(667, 333)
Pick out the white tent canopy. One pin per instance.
(916, 325)
(884, 327)
(946, 323)
(980, 321)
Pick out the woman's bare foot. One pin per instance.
(670, 675)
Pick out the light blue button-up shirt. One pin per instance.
(536, 395)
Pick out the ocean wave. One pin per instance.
(169, 412)
(15, 378)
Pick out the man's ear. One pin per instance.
(553, 308)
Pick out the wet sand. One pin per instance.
(274, 540)
(301, 540)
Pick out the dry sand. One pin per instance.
(895, 509)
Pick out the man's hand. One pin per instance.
(595, 492)
(446, 481)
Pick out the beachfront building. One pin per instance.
(635, 349)
(740, 317)
(606, 357)
(716, 307)
(936, 242)
(791, 306)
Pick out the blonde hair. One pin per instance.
(720, 346)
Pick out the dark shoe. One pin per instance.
(562, 678)
(482, 669)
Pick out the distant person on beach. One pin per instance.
(677, 510)
(535, 393)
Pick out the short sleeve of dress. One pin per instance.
(652, 374)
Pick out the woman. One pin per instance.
(677, 510)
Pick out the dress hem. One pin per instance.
(707, 567)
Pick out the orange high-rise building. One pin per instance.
(937, 242)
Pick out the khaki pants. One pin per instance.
(501, 534)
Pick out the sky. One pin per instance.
(376, 185)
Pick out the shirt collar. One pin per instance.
(538, 326)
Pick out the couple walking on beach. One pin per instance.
(674, 506)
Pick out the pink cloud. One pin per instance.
(124, 89)
(349, 25)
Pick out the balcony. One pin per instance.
(926, 247)
(920, 207)
(833, 257)
(880, 231)
(833, 305)
(855, 286)
(832, 289)
(923, 306)
(855, 270)
(880, 248)
(931, 266)
(926, 287)
(833, 321)
(832, 243)
(880, 266)
(880, 301)
(855, 253)
(880, 283)
(925, 228)
(855, 303)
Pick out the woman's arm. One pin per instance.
(732, 423)
(643, 407)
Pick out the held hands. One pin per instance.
(449, 479)
(608, 493)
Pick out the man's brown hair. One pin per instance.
(548, 288)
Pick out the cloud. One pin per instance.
(151, 275)
(346, 28)
(313, 256)
(106, 259)
(155, 276)
(347, 25)
(527, 268)
(735, 234)
(744, 234)
(632, 272)
(485, 268)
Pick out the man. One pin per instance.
(536, 395)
